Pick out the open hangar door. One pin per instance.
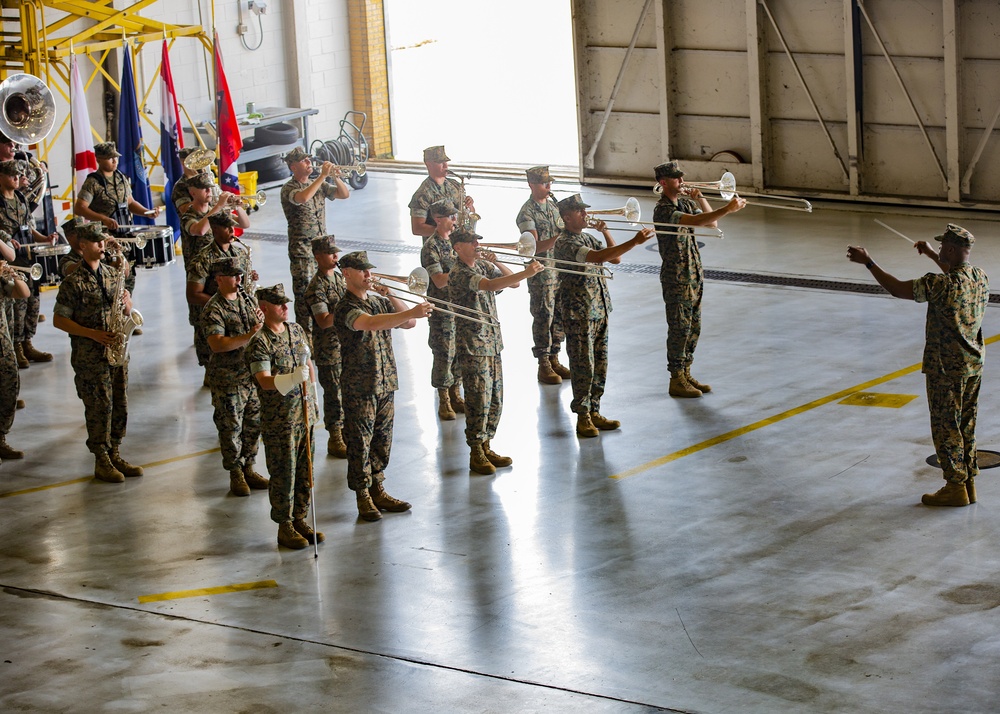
(883, 101)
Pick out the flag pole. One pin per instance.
(72, 134)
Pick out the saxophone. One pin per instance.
(119, 323)
(466, 221)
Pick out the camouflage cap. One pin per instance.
(72, 224)
(106, 150)
(201, 180)
(435, 154)
(296, 154)
(357, 260)
(222, 219)
(442, 208)
(10, 167)
(324, 244)
(186, 152)
(464, 237)
(670, 169)
(572, 203)
(226, 266)
(274, 294)
(91, 231)
(957, 235)
(539, 174)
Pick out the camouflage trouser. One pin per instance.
(10, 384)
(287, 454)
(22, 316)
(130, 279)
(587, 347)
(953, 403)
(329, 379)
(102, 388)
(237, 417)
(441, 340)
(201, 347)
(546, 332)
(483, 381)
(368, 434)
(683, 325)
(303, 270)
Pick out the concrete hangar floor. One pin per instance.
(759, 549)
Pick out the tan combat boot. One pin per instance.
(237, 484)
(970, 488)
(457, 403)
(335, 445)
(34, 355)
(22, 361)
(367, 509)
(253, 479)
(445, 412)
(546, 375)
(384, 502)
(680, 387)
(478, 461)
(703, 388)
(585, 426)
(495, 458)
(951, 494)
(563, 372)
(127, 469)
(20, 404)
(604, 424)
(7, 451)
(289, 537)
(303, 529)
(105, 471)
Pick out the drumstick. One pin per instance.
(894, 231)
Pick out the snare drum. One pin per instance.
(159, 248)
(48, 258)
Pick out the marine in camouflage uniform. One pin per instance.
(196, 229)
(229, 321)
(17, 224)
(10, 382)
(540, 216)
(180, 196)
(436, 187)
(84, 307)
(303, 201)
(584, 305)
(682, 280)
(438, 258)
(368, 381)
(473, 285)
(201, 281)
(278, 357)
(954, 352)
(325, 290)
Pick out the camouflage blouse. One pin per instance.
(368, 366)
(956, 302)
(681, 267)
(473, 338)
(580, 295)
(228, 318)
(305, 220)
(280, 354)
(322, 295)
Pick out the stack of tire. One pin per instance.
(270, 168)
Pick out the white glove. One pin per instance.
(285, 383)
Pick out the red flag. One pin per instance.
(84, 161)
(230, 142)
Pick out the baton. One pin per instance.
(894, 231)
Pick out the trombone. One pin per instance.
(34, 272)
(417, 282)
(525, 246)
(633, 213)
(726, 186)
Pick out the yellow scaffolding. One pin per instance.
(44, 49)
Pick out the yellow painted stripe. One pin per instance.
(221, 590)
(35, 489)
(730, 435)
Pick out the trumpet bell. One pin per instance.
(27, 109)
(261, 198)
(199, 159)
(36, 271)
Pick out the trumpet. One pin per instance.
(525, 248)
(726, 187)
(138, 241)
(417, 282)
(251, 203)
(34, 272)
(358, 168)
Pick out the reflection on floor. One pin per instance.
(759, 549)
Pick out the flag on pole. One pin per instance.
(130, 139)
(171, 139)
(230, 142)
(84, 161)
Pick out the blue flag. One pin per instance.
(130, 139)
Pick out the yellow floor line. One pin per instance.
(730, 435)
(221, 590)
(150, 465)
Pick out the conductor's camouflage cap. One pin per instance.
(957, 235)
